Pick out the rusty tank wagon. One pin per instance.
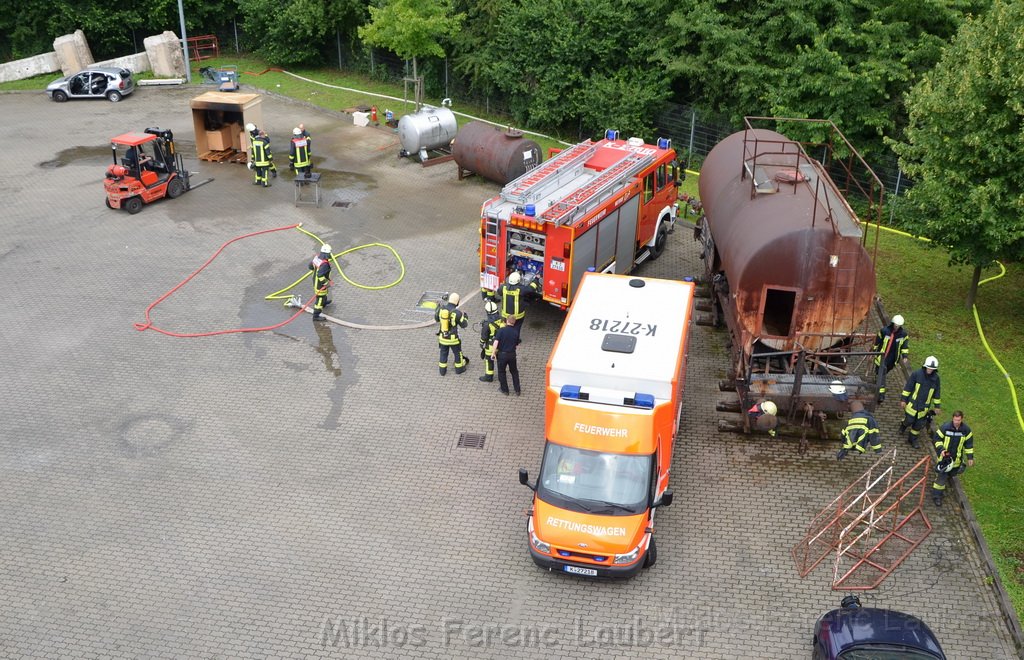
(788, 266)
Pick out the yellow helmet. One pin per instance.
(769, 408)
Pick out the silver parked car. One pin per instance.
(113, 83)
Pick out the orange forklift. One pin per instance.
(146, 168)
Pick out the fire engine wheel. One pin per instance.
(659, 241)
(652, 554)
(176, 188)
(133, 205)
(59, 96)
(114, 96)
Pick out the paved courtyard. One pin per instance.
(299, 492)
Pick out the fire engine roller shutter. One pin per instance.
(607, 233)
(584, 249)
(628, 215)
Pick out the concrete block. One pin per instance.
(73, 52)
(28, 67)
(165, 55)
(135, 63)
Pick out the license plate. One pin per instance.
(581, 571)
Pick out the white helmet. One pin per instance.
(454, 298)
(514, 277)
(931, 362)
(250, 127)
(326, 248)
(897, 320)
(490, 307)
(769, 408)
(296, 131)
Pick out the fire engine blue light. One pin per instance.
(530, 210)
(611, 134)
(570, 392)
(643, 400)
(664, 143)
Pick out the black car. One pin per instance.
(853, 632)
(112, 83)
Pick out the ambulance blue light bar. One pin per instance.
(572, 392)
(641, 400)
(576, 393)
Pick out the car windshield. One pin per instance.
(595, 482)
(885, 652)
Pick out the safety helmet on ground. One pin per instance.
(490, 307)
(897, 319)
(454, 298)
(769, 408)
(250, 127)
(514, 277)
(296, 131)
(931, 362)
(326, 248)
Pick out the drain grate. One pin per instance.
(472, 440)
(341, 205)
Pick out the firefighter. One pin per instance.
(488, 329)
(954, 442)
(861, 429)
(255, 133)
(513, 296)
(763, 416)
(920, 399)
(321, 267)
(451, 318)
(260, 159)
(891, 344)
(298, 153)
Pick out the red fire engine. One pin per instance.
(605, 206)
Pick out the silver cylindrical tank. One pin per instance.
(429, 128)
(498, 154)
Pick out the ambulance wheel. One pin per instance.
(659, 241)
(133, 205)
(176, 188)
(652, 554)
(106, 200)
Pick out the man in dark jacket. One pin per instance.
(921, 395)
(861, 430)
(504, 349)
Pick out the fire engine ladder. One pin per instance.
(586, 197)
(491, 247)
(553, 174)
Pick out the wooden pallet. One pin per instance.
(225, 156)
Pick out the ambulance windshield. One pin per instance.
(595, 482)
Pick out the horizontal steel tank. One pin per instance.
(498, 154)
(428, 128)
(783, 245)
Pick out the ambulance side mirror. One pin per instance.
(524, 479)
(666, 499)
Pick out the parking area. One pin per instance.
(300, 492)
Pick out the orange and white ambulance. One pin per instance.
(614, 392)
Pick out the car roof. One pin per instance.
(849, 628)
(113, 70)
(133, 139)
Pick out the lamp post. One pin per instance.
(184, 42)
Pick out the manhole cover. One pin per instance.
(341, 205)
(472, 440)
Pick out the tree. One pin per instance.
(850, 61)
(287, 32)
(583, 65)
(963, 147)
(412, 29)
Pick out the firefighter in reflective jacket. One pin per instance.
(488, 329)
(321, 267)
(763, 417)
(298, 153)
(255, 133)
(861, 429)
(919, 397)
(513, 296)
(954, 443)
(892, 345)
(451, 318)
(261, 159)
